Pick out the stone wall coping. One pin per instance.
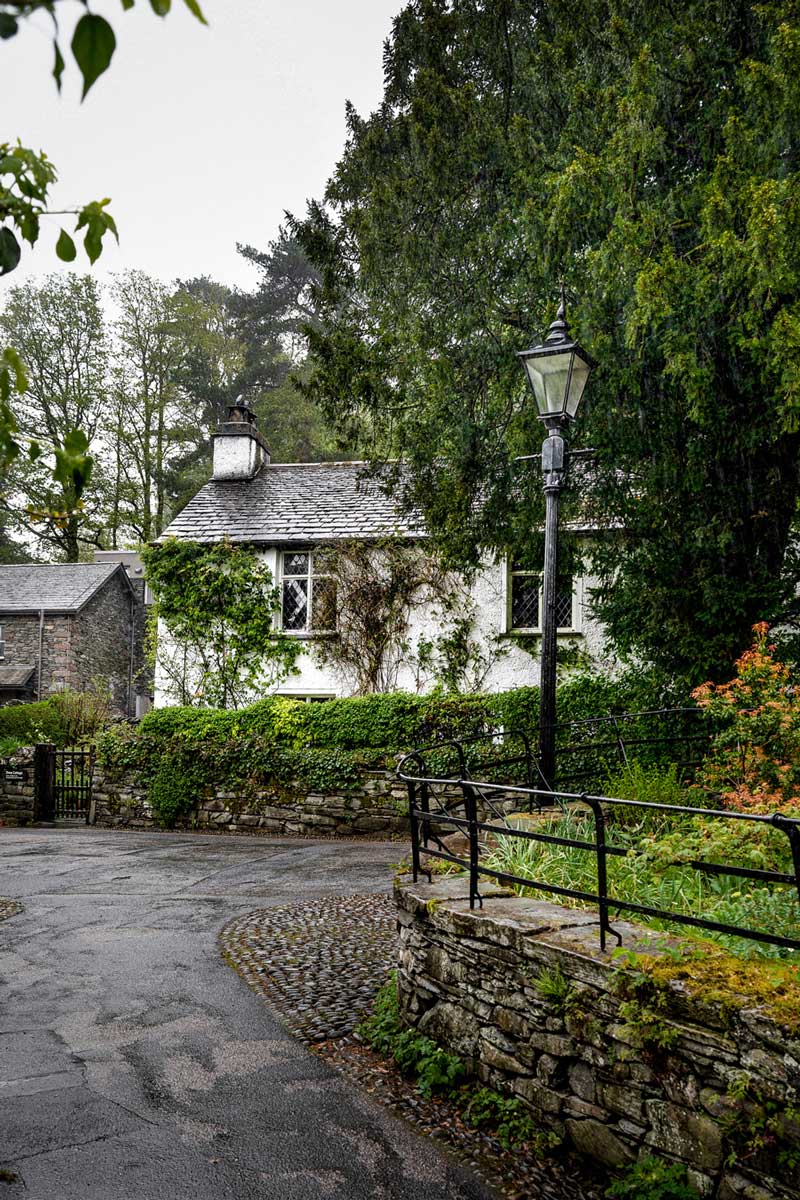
(511, 919)
(530, 927)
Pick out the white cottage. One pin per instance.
(295, 513)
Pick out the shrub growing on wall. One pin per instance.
(216, 603)
(322, 747)
(378, 588)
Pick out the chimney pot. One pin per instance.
(239, 449)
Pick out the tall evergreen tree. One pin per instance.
(647, 155)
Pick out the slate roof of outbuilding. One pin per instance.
(53, 587)
(15, 677)
(294, 503)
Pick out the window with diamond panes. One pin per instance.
(309, 596)
(526, 601)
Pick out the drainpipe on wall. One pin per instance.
(41, 639)
(131, 702)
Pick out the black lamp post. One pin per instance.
(558, 371)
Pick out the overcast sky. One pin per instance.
(202, 137)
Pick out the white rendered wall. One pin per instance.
(509, 664)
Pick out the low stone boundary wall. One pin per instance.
(521, 991)
(375, 806)
(16, 787)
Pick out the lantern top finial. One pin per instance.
(559, 330)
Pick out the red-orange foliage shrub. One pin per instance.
(754, 761)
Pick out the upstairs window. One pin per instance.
(308, 593)
(525, 602)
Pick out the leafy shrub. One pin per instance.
(505, 1117)
(174, 790)
(63, 718)
(27, 724)
(652, 1179)
(82, 714)
(509, 1119)
(652, 784)
(390, 722)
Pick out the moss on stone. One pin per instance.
(729, 983)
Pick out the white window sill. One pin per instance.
(308, 634)
(537, 633)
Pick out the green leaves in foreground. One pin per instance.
(93, 46)
(9, 251)
(72, 461)
(93, 41)
(13, 382)
(65, 247)
(26, 179)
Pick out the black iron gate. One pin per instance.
(63, 790)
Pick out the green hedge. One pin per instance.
(400, 720)
(26, 724)
(283, 742)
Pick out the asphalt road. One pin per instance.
(135, 1065)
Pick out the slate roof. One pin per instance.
(294, 503)
(12, 678)
(54, 587)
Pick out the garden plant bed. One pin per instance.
(320, 966)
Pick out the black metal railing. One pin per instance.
(446, 801)
(590, 748)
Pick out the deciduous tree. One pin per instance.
(59, 329)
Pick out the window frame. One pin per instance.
(311, 576)
(512, 573)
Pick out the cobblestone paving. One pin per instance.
(8, 908)
(319, 964)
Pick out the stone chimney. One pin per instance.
(239, 449)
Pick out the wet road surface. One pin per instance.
(135, 1065)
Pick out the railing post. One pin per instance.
(425, 806)
(412, 816)
(471, 813)
(602, 875)
(792, 831)
(620, 743)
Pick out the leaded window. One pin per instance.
(308, 593)
(525, 601)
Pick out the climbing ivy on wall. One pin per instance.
(378, 588)
(212, 626)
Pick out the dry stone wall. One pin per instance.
(375, 806)
(521, 991)
(16, 788)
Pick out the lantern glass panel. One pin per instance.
(577, 383)
(549, 375)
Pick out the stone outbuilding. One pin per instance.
(69, 625)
